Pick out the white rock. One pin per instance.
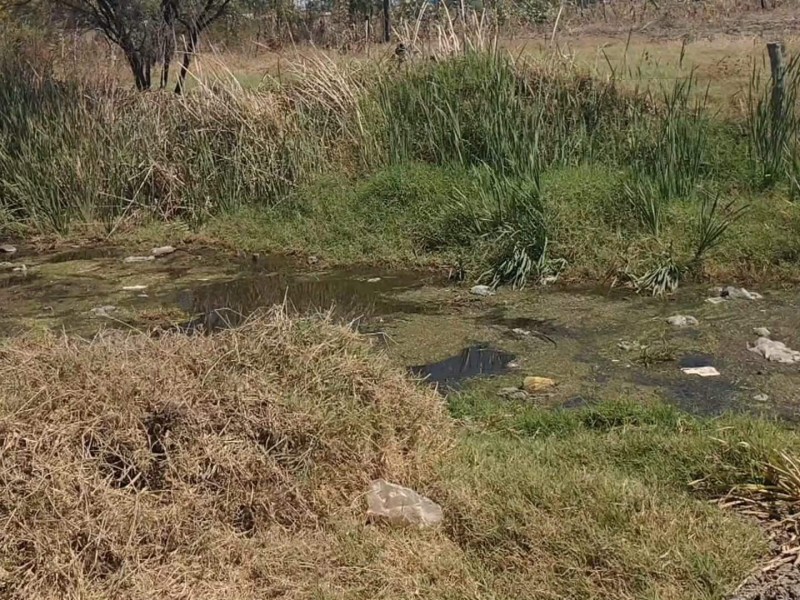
(761, 331)
(682, 321)
(373, 280)
(707, 371)
(102, 311)
(7, 249)
(162, 251)
(775, 351)
(760, 397)
(520, 331)
(20, 269)
(742, 294)
(134, 288)
(482, 290)
(734, 293)
(137, 259)
(401, 506)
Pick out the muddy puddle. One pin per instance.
(596, 346)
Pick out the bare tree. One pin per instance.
(194, 16)
(145, 30)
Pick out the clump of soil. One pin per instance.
(194, 466)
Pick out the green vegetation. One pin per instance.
(454, 156)
(506, 168)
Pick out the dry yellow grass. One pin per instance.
(180, 467)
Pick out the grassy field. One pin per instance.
(225, 471)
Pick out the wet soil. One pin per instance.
(595, 345)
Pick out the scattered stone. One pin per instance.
(536, 385)
(162, 251)
(707, 371)
(401, 506)
(7, 249)
(102, 311)
(512, 393)
(760, 397)
(520, 331)
(682, 321)
(134, 288)
(733, 293)
(775, 351)
(481, 290)
(138, 259)
(761, 332)
(373, 280)
(630, 346)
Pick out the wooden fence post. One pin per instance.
(777, 64)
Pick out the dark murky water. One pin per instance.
(475, 361)
(349, 295)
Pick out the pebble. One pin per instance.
(138, 259)
(761, 332)
(162, 251)
(513, 393)
(629, 346)
(134, 288)
(520, 331)
(373, 280)
(682, 320)
(481, 290)
(760, 397)
(7, 249)
(102, 311)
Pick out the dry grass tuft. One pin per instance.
(211, 466)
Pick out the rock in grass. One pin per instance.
(481, 290)
(7, 250)
(401, 506)
(733, 293)
(682, 320)
(162, 251)
(102, 311)
(775, 351)
(536, 385)
(761, 331)
(512, 393)
(138, 259)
